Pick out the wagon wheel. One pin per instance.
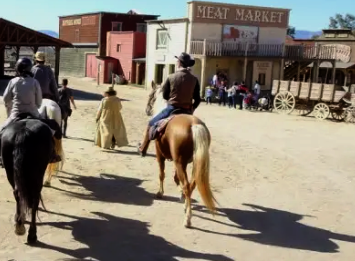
(321, 111)
(304, 109)
(339, 114)
(284, 102)
(350, 114)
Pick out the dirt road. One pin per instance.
(285, 185)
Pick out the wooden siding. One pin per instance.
(85, 32)
(139, 46)
(336, 42)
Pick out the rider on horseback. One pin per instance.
(23, 96)
(44, 75)
(179, 89)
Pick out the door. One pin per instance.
(109, 72)
(91, 66)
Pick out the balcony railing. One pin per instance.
(291, 52)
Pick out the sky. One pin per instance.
(310, 15)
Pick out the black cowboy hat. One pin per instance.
(186, 59)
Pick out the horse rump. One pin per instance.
(32, 146)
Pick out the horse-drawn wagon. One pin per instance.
(320, 99)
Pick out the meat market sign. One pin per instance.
(240, 15)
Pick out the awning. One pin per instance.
(338, 65)
(139, 60)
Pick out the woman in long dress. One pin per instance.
(110, 129)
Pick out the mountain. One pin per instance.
(50, 33)
(302, 34)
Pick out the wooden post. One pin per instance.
(298, 71)
(2, 59)
(137, 72)
(18, 48)
(204, 47)
(316, 66)
(346, 77)
(245, 62)
(334, 72)
(57, 62)
(282, 63)
(203, 76)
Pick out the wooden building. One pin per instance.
(88, 34)
(15, 36)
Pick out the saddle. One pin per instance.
(157, 130)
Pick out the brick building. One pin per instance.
(88, 34)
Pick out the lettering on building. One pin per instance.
(69, 22)
(88, 20)
(229, 14)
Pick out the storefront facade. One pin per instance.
(243, 42)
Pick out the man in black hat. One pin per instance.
(182, 91)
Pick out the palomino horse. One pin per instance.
(26, 149)
(186, 139)
(51, 110)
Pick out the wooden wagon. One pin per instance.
(320, 99)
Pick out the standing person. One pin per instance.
(65, 98)
(110, 130)
(222, 93)
(257, 90)
(241, 94)
(209, 93)
(44, 75)
(215, 80)
(232, 93)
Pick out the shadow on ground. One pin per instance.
(280, 228)
(110, 238)
(88, 96)
(110, 188)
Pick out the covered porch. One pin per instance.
(14, 36)
(138, 76)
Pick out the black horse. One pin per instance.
(27, 146)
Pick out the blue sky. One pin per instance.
(311, 15)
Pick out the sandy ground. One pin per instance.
(285, 185)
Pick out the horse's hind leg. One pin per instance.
(177, 182)
(32, 232)
(161, 162)
(182, 175)
(20, 218)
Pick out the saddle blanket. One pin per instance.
(159, 127)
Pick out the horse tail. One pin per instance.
(22, 180)
(201, 165)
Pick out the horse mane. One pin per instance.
(159, 103)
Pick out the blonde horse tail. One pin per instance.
(201, 165)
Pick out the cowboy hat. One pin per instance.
(186, 59)
(40, 56)
(110, 90)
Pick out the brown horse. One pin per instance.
(186, 139)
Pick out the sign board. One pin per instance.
(262, 72)
(240, 15)
(69, 22)
(341, 51)
(240, 34)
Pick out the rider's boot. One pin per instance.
(142, 148)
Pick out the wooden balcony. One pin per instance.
(289, 52)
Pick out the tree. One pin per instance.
(340, 21)
(291, 31)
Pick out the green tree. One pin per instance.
(340, 21)
(291, 31)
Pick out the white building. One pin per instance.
(244, 42)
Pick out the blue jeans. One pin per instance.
(162, 115)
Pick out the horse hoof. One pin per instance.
(159, 195)
(31, 239)
(187, 224)
(47, 183)
(20, 230)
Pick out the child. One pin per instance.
(209, 93)
(65, 97)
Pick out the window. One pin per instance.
(162, 38)
(77, 35)
(118, 48)
(116, 26)
(261, 78)
(142, 28)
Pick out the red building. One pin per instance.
(88, 34)
(128, 48)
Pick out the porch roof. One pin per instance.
(338, 65)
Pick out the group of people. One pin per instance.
(24, 93)
(235, 95)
